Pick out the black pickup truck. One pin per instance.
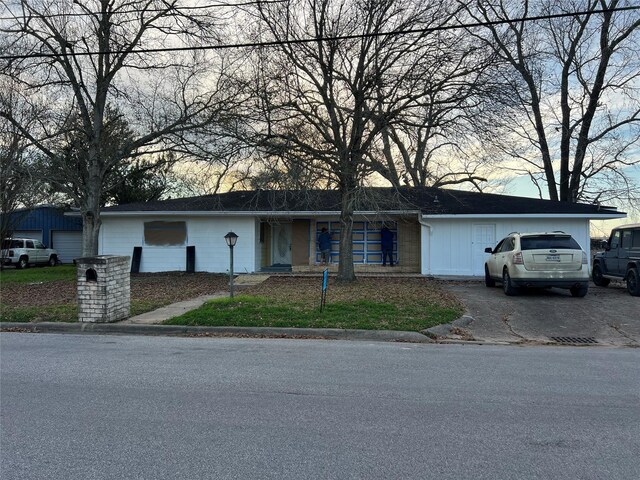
(620, 259)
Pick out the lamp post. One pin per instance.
(231, 239)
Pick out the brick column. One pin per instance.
(104, 288)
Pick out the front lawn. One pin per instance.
(49, 294)
(372, 303)
(37, 274)
(411, 304)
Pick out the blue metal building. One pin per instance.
(48, 224)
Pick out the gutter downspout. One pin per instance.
(426, 269)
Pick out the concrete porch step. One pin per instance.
(276, 268)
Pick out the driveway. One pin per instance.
(610, 315)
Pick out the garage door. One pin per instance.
(35, 234)
(67, 244)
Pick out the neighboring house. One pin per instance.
(49, 224)
(436, 231)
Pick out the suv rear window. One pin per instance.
(545, 242)
(6, 244)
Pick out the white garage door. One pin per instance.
(35, 234)
(68, 245)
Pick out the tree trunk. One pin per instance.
(346, 271)
(90, 229)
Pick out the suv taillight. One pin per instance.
(517, 259)
(11, 253)
(584, 258)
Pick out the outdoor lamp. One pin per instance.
(231, 239)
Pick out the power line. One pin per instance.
(323, 39)
(150, 10)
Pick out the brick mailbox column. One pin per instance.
(103, 288)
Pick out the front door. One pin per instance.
(484, 235)
(281, 244)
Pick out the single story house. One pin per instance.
(51, 226)
(436, 231)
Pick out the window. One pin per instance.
(365, 238)
(29, 244)
(508, 245)
(546, 242)
(39, 245)
(626, 238)
(636, 239)
(615, 240)
(165, 234)
(6, 244)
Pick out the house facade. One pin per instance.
(436, 232)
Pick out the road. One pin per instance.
(124, 407)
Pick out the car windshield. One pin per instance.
(545, 242)
(11, 244)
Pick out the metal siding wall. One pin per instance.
(212, 253)
(450, 244)
(120, 235)
(46, 219)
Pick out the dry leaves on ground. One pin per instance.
(374, 289)
(170, 287)
(147, 287)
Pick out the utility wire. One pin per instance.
(273, 43)
(140, 10)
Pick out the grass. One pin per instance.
(27, 281)
(63, 313)
(49, 294)
(52, 313)
(292, 304)
(410, 304)
(37, 275)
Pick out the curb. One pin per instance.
(446, 328)
(260, 332)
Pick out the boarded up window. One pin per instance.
(165, 234)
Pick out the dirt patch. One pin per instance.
(157, 288)
(374, 289)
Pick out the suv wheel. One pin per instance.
(488, 281)
(579, 291)
(507, 286)
(597, 277)
(23, 262)
(633, 282)
(53, 261)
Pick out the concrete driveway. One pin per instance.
(610, 316)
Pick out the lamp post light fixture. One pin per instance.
(231, 239)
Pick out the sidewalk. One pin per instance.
(174, 310)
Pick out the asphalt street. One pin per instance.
(133, 407)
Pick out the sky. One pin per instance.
(522, 187)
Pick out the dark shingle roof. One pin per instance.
(428, 201)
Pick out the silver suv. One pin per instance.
(538, 260)
(23, 252)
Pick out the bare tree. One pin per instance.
(85, 57)
(574, 80)
(328, 99)
(433, 143)
(21, 185)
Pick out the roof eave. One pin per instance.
(253, 213)
(599, 216)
